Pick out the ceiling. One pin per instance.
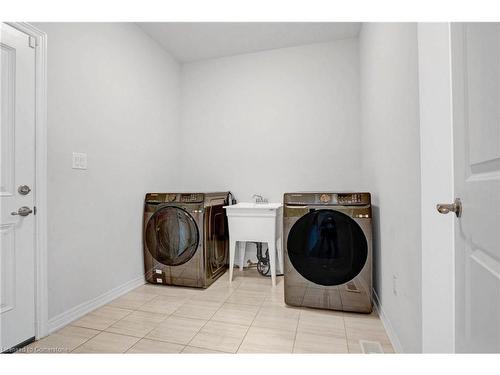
(192, 41)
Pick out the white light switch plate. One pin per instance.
(79, 160)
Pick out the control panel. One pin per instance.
(191, 198)
(156, 198)
(350, 198)
(339, 199)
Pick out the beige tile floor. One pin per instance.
(247, 316)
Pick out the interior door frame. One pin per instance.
(40, 198)
(437, 186)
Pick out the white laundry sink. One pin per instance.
(255, 222)
(252, 209)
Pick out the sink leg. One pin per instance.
(279, 251)
(242, 248)
(232, 250)
(272, 259)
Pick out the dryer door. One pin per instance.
(172, 236)
(327, 247)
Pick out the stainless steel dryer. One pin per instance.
(328, 250)
(185, 238)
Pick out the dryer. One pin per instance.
(328, 250)
(185, 238)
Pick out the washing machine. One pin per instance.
(185, 238)
(328, 250)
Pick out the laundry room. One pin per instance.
(254, 109)
(239, 187)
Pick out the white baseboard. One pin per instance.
(396, 344)
(77, 312)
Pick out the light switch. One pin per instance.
(79, 160)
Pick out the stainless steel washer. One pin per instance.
(328, 250)
(185, 238)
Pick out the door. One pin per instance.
(327, 247)
(172, 236)
(17, 161)
(475, 55)
(216, 240)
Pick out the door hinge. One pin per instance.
(34, 210)
(32, 42)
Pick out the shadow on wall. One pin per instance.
(376, 247)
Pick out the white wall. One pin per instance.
(273, 121)
(391, 171)
(114, 94)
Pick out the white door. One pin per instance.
(476, 127)
(17, 153)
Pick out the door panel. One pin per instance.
(327, 247)
(17, 153)
(8, 268)
(476, 127)
(482, 42)
(8, 68)
(216, 240)
(172, 236)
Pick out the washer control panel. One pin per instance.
(191, 197)
(155, 198)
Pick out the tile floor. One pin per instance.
(247, 316)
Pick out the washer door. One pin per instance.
(216, 240)
(172, 236)
(327, 247)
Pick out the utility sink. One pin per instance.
(253, 209)
(255, 222)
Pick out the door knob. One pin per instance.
(23, 211)
(23, 189)
(455, 207)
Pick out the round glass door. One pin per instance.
(327, 247)
(172, 236)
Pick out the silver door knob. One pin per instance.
(23, 211)
(23, 189)
(455, 207)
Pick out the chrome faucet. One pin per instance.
(259, 198)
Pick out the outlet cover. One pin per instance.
(79, 160)
(395, 285)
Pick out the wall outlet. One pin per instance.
(79, 160)
(395, 285)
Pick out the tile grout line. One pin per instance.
(197, 332)
(91, 337)
(345, 333)
(253, 321)
(171, 315)
(184, 317)
(132, 311)
(296, 331)
(248, 328)
(241, 286)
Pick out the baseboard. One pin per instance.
(77, 312)
(396, 344)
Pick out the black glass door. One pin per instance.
(327, 247)
(172, 236)
(216, 240)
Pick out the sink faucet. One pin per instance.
(259, 198)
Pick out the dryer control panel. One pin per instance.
(327, 198)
